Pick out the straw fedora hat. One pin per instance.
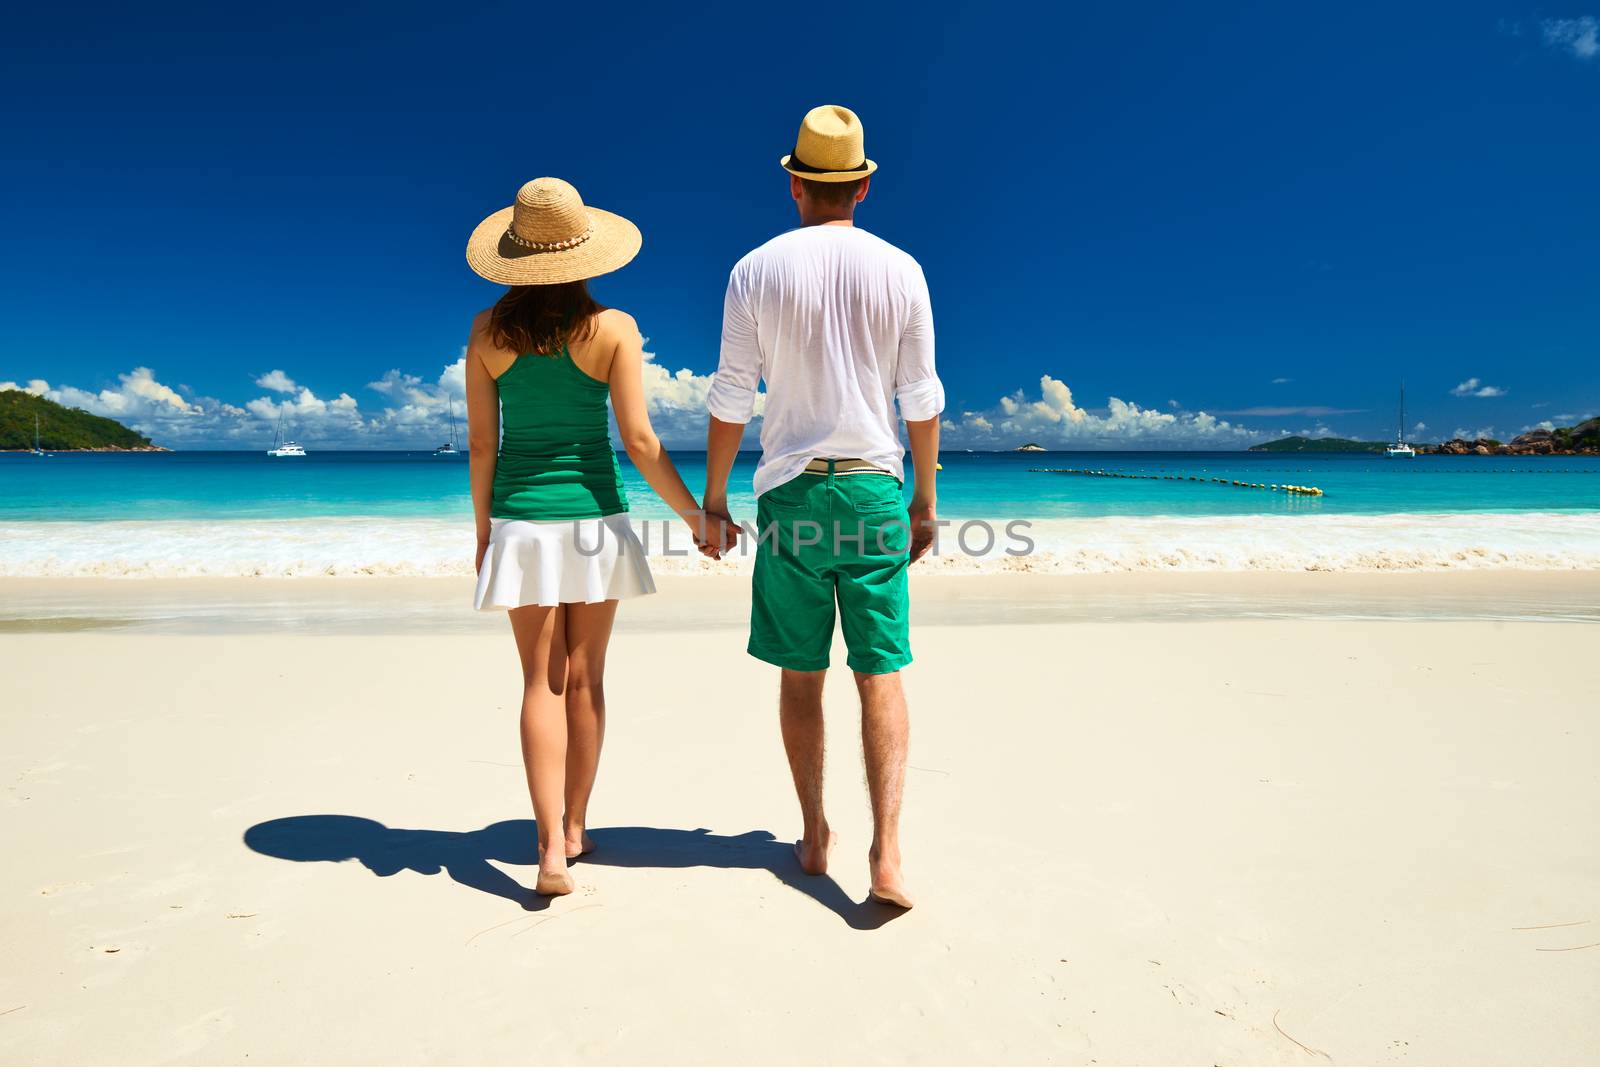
(830, 147)
(548, 236)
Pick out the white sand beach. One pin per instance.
(1237, 841)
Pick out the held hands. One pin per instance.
(715, 532)
(924, 527)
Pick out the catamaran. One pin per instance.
(36, 449)
(1400, 448)
(282, 447)
(449, 447)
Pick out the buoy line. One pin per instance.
(1301, 490)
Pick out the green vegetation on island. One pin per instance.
(1319, 444)
(62, 429)
(1580, 440)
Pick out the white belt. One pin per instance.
(843, 466)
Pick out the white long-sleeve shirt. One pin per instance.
(838, 324)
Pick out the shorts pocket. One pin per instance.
(790, 498)
(878, 499)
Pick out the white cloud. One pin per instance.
(160, 412)
(277, 381)
(408, 389)
(1473, 435)
(309, 418)
(138, 395)
(676, 402)
(413, 412)
(1321, 429)
(1419, 427)
(1055, 418)
(1475, 387)
(1282, 381)
(419, 410)
(1580, 36)
(453, 381)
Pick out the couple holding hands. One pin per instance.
(837, 323)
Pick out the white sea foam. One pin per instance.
(353, 547)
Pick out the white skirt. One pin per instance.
(566, 561)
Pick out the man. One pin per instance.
(838, 323)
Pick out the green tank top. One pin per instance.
(556, 459)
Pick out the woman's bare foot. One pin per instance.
(554, 881)
(578, 842)
(888, 887)
(813, 855)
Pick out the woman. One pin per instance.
(554, 544)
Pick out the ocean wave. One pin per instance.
(386, 547)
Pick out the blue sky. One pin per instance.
(1163, 226)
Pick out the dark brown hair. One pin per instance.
(543, 319)
(834, 194)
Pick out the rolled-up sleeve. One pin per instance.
(732, 396)
(917, 388)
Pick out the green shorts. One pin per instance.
(826, 537)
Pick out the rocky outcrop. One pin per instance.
(1580, 440)
(1457, 446)
(1534, 443)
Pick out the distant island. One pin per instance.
(1319, 444)
(1580, 440)
(62, 429)
(1031, 447)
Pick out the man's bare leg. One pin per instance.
(885, 735)
(800, 714)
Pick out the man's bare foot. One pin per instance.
(891, 895)
(578, 842)
(813, 855)
(888, 887)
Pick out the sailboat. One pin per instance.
(449, 447)
(36, 449)
(1400, 448)
(282, 447)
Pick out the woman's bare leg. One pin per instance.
(541, 644)
(588, 634)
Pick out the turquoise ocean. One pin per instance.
(338, 513)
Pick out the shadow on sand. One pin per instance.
(465, 856)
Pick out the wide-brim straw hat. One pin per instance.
(831, 147)
(549, 236)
